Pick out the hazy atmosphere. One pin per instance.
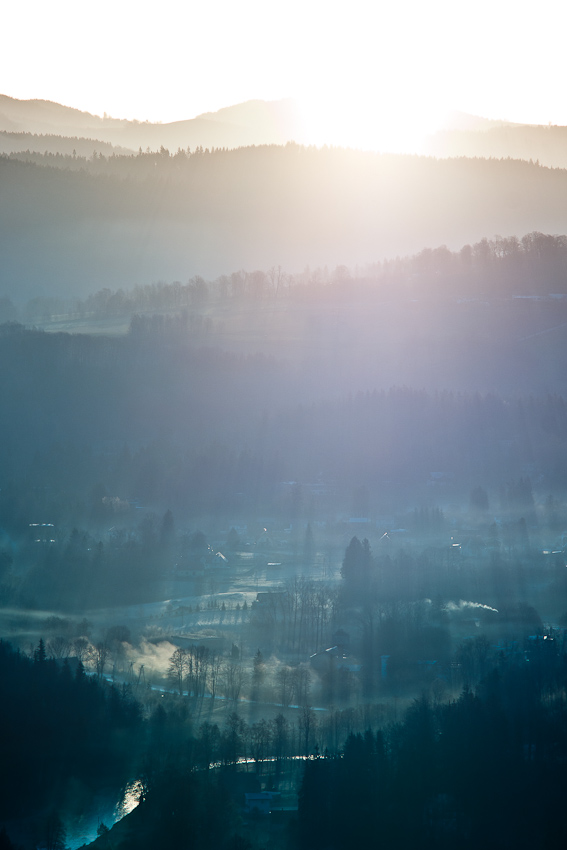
(283, 444)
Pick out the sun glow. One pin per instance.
(384, 124)
(368, 75)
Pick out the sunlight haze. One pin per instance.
(368, 75)
(283, 444)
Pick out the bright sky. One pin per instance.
(357, 67)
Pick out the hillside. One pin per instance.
(121, 221)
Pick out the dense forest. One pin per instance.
(47, 143)
(119, 412)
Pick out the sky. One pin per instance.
(359, 69)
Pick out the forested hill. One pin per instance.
(490, 317)
(158, 420)
(45, 143)
(128, 220)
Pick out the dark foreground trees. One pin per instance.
(486, 769)
(56, 725)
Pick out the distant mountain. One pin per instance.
(455, 120)
(544, 144)
(256, 122)
(45, 116)
(253, 123)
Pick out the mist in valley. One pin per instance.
(283, 492)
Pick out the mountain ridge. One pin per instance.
(251, 122)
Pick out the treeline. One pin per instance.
(126, 219)
(97, 157)
(52, 147)
(535, 265)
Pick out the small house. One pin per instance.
(259, 803)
